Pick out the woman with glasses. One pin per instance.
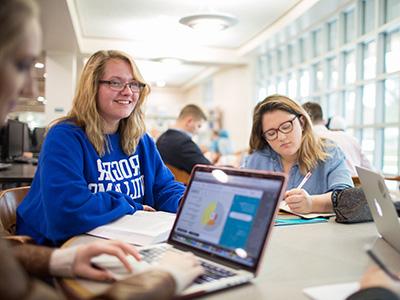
(282, 140)
(97, 164)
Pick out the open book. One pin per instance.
(142, 228)
(284, 207)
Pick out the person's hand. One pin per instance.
(148, 208)
(375, 277)
(299, 201)
(183, 267)
(82, 266)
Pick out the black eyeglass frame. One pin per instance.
(264, 134)
(130, 84)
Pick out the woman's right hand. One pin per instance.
(148, 208)
(184, 267)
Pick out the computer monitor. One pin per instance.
(15, 139)
(27, 138)
(38, 138)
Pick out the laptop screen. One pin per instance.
(227, 213)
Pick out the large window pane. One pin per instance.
(304, 83)
(391, 146)
(281, 86)
(368, 143)
(279, 56)
(332, 74)
(318, 77)
(271, 88)
(292, 86)
(368, 100)
(392, 8)
(290, 55)
(392, 99)
(332, 34)
(349, 28)
(317, 42)
(350, 105)
(350, 67)
(369, 60)
(333, 105)
(301, 49)
(367, 16)
(392, 50)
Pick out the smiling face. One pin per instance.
(286, 144)
(16, 71)
(113, 106)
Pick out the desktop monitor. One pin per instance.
(14, 139)
(37, 138)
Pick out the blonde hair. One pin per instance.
(14, 17)
(84, 112)
(312, 147)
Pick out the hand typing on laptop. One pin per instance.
(183, 267)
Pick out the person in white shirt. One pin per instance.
(347, 143)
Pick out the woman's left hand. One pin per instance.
(148, 208)
(299, 201)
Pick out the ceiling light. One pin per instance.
(209, 21)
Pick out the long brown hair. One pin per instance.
(84, 111)
(312, 147)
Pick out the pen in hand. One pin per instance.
(303, 182)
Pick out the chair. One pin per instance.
(356, 181)
(180, 175)
(9, 201)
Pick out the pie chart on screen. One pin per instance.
(212, 216)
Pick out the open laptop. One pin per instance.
(381, 205)
(225, 218)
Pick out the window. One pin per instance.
(368, 101)
(392, 50)
(317, 42)
(292, 86)
(368, 143)
(304, 83)
(369, 60)
(318, 77)
(350, 67)
(367, 16)
(391, 150)
(349, 30)
(332, 73)
(350, 100)
(391, 9)
(332, 34)
(392, 99)
(355, 74)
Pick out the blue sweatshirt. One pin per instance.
(75, 190)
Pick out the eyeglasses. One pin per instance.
(285, 127)
(116, 85)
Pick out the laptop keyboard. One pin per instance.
(212, 272)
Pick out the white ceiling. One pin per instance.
(150, 30)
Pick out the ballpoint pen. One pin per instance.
(308, 175)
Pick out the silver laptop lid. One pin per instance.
(381, 205)
(228, 214)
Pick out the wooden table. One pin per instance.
(18, 174)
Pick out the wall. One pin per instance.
(60, 84)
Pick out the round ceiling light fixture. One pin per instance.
(209, 21)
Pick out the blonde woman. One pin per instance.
(98, 164)
(282, 140)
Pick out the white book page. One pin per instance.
(141, 228)
(284, 207)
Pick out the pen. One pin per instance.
(303, 182)
(382, 266)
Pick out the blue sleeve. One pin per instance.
(167, 192)
(338, 174)
(69, 206)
